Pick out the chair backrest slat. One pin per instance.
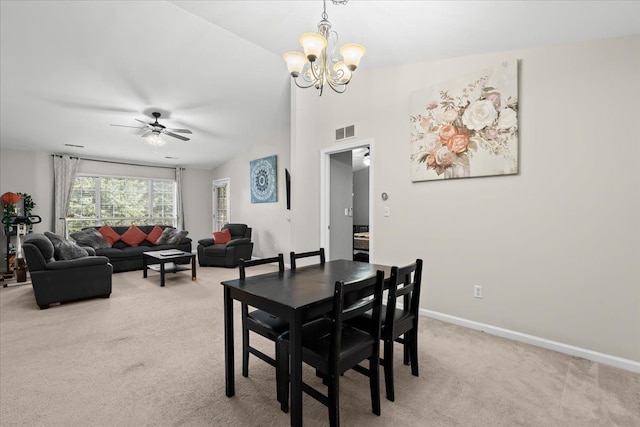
(294, 256)
(405, 282)
(370, 288)
(253, 262)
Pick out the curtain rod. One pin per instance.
(117, 163)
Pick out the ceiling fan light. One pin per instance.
(155, 140)
(352, 54)
(295, 62)
(313, 44)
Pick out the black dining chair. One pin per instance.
(259, 321)
(332, 346)
(399, 323)
(294, 256)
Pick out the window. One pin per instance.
(98, 200)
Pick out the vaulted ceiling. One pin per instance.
(70, 69)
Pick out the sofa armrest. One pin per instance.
(78, 262)
(206, 242)
(237, 242)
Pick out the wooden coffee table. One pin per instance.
(164, 262)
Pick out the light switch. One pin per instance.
(386, 211)
(346, 211)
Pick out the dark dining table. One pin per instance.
(294, 295)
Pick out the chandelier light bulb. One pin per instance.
(295, 62)
(343, 72)
(313, 45)
(352, 54)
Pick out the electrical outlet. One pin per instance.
(477, 291)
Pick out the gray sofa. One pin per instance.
(61, 281)
(211, 254)
(126, 258)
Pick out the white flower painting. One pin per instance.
(466, 127)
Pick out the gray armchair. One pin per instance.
(65, 280)
(211, 254)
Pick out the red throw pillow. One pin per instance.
(133, 236)
(154, 235)
(221, 237)
(109, 234)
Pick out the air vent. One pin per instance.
(170, 158)
(74, 145)
(345, 133)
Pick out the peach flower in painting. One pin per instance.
(446, 132)
(458, 143)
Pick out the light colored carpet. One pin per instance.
(154, 356)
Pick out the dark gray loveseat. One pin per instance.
(126, 258)
(64, 280)
(227, 254)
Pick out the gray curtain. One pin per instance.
(64, 173)
(179, 207)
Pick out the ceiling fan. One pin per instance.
(155, 129)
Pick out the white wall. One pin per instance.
(32, 173)
(556, 246)
(270, 222)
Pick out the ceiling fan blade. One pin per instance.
(125, 126)
(144, 123)
(179, 130)
(175, 135)
(147, 133)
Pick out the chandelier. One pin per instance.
(319, 64)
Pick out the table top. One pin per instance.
(306, 285)
(159, 254)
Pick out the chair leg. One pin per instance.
(374, 384)
(245, 348)
(388, 369)
(334, 400)
(413, 347)
(282, 375)
(406, 348)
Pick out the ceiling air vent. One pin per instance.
(74, 145)
(346, 132)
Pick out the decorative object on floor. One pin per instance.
(22, 224)
(263, 180)
(56, 280)
(213, 253)
(324, 67)
(155, 129)
(466, 127)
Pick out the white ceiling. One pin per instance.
(69, 69)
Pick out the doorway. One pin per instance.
(337, 210)
(221, 205)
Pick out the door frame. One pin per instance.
(214, 202)
(325, 190)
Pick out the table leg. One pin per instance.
(228, 344)
(295, 357)
(193, 268)
(144, 266)
(161, 273)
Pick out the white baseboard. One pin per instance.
(584, 353)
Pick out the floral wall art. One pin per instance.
(466, 127)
